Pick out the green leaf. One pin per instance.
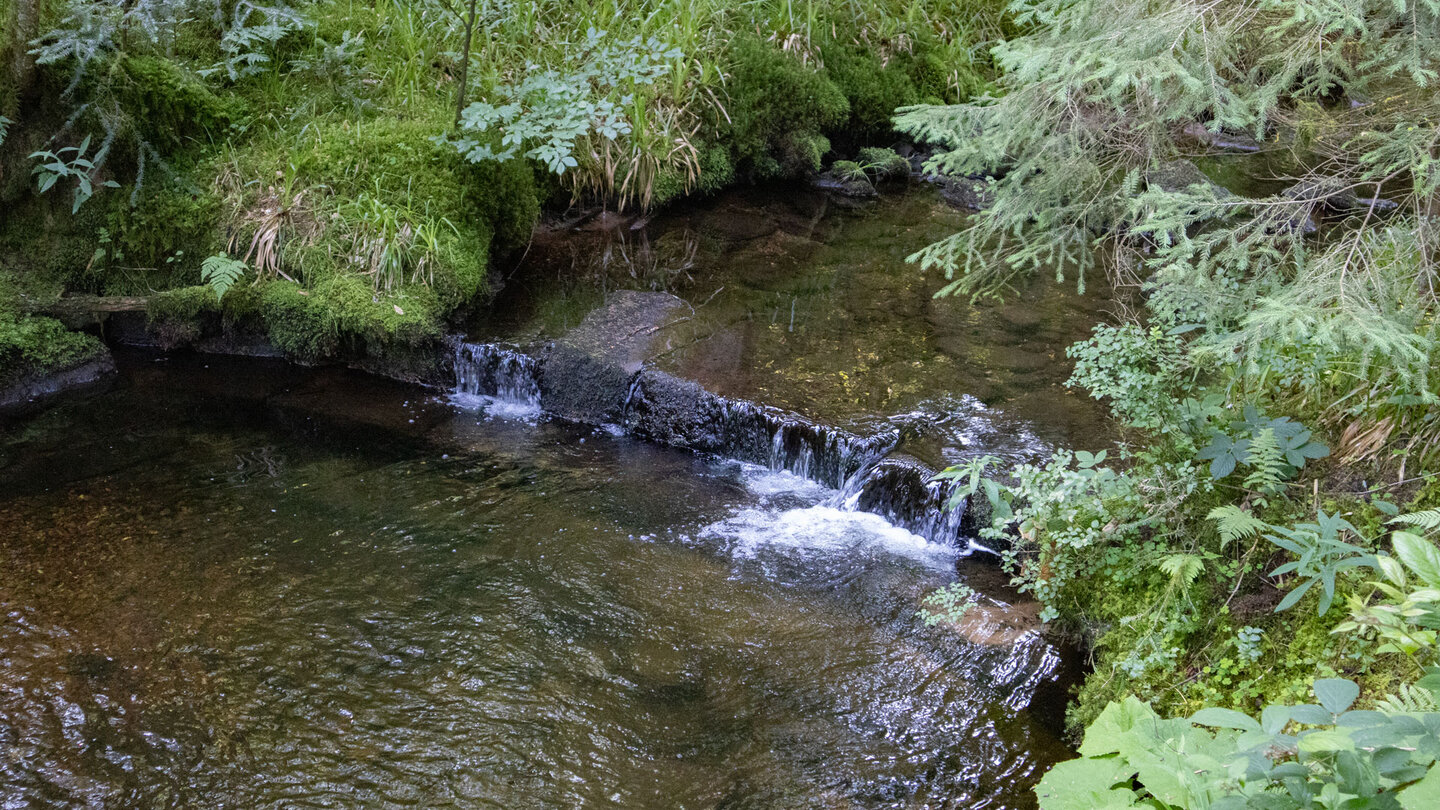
(1323, 741)
(1336, 694)
(1423, 795)
(1087, 784)
(1419, 555)
(1294, 596)
(1226, 718)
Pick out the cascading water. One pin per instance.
(865, 471)
(501, 378)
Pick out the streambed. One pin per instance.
(238, 584)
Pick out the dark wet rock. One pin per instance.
(846, 179)
(1336, 197)
(902, 490)
(966, 193)
(35, 391)
(586, 375)
(676, 412)
(1179, 175)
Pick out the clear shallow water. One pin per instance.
(255, 587)
(803, 303)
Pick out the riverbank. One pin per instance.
(321, 164)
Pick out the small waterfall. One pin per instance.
(500, 373)
(867, 472)
(783, 441)
(902, 490)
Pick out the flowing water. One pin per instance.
(237, 584)
(799, 302)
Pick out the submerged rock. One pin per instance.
(1179, 175)
(35, 390)
(967, 193)
(586, 375)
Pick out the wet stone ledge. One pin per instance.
(601, 373)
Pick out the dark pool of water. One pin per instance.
(804, 303)
(237, 584)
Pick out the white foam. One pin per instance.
(768, 483)
(496, 407)
(824, 530)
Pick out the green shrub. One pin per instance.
(776, 102)
(874, 89)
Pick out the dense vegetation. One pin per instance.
(345, 174)
(1257, 181)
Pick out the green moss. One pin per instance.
(410, 316)
(847, 170)
(33, 344)
(883, 163)
(298, 322)
(174, 315)
(478, 207)
(802, 152)
(170, 105)
(873, 89)
(776, 104)
(170, 229)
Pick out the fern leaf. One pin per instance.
(1182, 568)
(221, 272)
(1235, 523)
(1428, 520)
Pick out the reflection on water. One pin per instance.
(802, 304)
(235, 587)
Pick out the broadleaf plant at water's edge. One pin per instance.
(1255, 180)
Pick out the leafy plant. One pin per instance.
(1407, 620)
(1247, 642)
(1321, 556)
(70, 162)
(221, 273)
(4, 128)
(1288, 445)
(1321, 755)
(947, 605)
(546, 113)
(251, 37)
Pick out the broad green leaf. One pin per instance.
(1336, 694)
(1225, 718)
(1086, 784)
(1316, 742)
(1423, 795)
(1419, 555)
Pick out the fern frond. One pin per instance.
(1182, 568)
(1235, 523)
(1407, 700)
(1428, 520)
(221, 272)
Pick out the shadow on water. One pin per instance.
(230, 583)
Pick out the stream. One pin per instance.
(239, 583)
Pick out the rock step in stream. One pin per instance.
(600, 374)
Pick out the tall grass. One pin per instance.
(412, 51)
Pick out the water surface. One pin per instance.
(237, 584)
